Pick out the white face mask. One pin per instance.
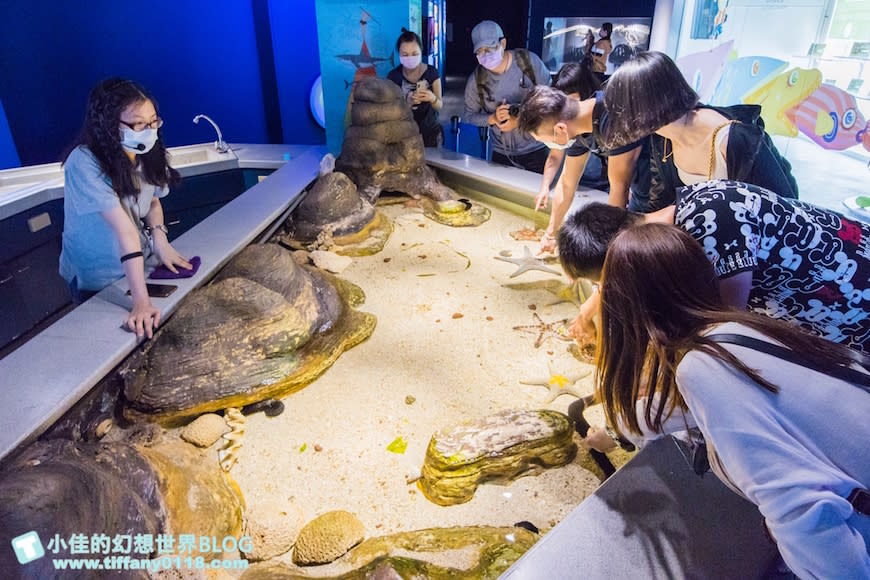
(138, 142)
(554, 145)
(411, 62)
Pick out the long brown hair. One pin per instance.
(658, 296)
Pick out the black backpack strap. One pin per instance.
(482, 88)
(524, 62)
(843, 373)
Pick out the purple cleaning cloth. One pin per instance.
(161, 272)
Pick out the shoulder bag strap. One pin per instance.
(843, 373)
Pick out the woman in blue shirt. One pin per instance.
(114, 179)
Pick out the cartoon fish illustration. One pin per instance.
(702, 69)
(830, 117)
(781, 94)
(743, 75)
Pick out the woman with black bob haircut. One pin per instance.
(115, 176)
(694, 142)
(790, 436)
(421, 87)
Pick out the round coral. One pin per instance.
(273, 529)
(327, 538)
(205, 430)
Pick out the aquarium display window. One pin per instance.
(566, 39)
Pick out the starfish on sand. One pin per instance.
(558, 384)
(545, 330)
(528, 262)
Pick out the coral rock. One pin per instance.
(472, 552)
(383, 149)
(273, 529)
(498, 449)
(328, 537)
(330, 261)
(263, 328)
(205, 430)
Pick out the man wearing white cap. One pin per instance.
(496, 88)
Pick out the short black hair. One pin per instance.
(644, 94)
(576, 77)
(608, 26)
(545, 103)
(586, 235)
(408, 36)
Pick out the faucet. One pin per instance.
(220, 145)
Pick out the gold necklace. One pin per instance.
(666, 154)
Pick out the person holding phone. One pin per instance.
(421, 87)
(115, 176)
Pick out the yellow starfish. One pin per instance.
(558, 384)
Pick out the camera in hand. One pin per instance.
(514, 110)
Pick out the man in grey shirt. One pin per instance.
(499, 83)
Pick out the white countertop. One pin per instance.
(25, 187)
(515, 185)
(45, 377)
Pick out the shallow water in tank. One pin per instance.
(444, 350)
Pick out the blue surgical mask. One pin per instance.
(491, 60)
(138, 142)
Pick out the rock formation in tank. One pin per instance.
(496, 449)
(383, 148)
(472, 553)
(263, 328)
(333, 216)
(72, 492)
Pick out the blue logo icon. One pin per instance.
(28, 547)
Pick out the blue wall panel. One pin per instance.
(8, 152)
(196, 56)
(297, 65)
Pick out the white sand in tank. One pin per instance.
(455, 368)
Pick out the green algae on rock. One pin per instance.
(265, 327)
(497, 449)
(477, 552)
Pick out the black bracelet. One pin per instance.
(130, 256)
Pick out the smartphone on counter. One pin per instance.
(159, 290)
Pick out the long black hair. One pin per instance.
(576, 77)
(101, 133)
(644, 94)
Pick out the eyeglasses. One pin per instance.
(141, 126)
(486, 50)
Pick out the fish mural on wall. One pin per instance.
(792, 101)
(781, 94)
(743, 75)
(830, 117)
(703, 69)
(356, 42)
